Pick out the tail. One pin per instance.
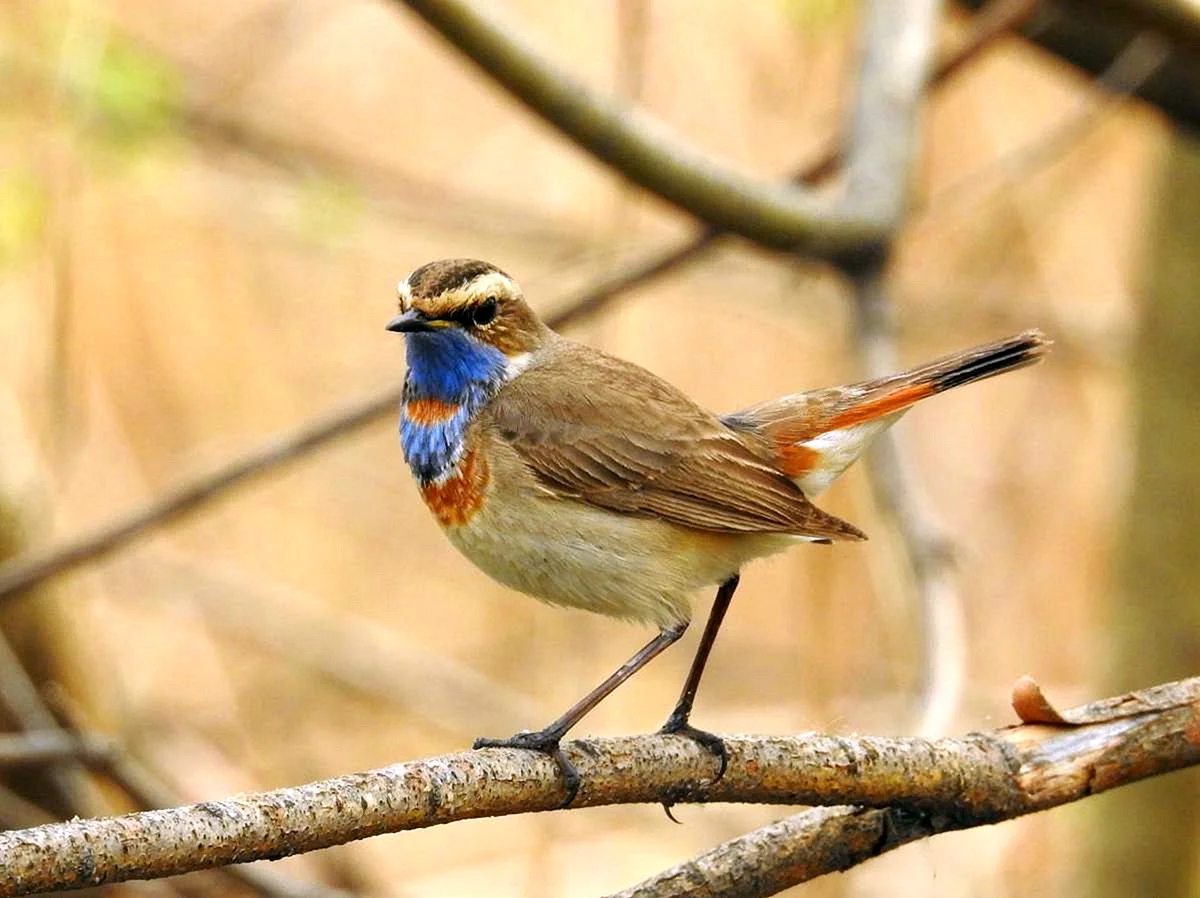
(971, 365)
(817, 435)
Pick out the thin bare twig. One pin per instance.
(1144, 55)
(33, 567)
(996, 19)
(19, 697)
(1092, 34)
(946, 783)
(40, 747)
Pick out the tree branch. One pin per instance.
(786, 853)
(645, 152)
(828, 840)
(146, 790)
(943, 784)
(896, 55)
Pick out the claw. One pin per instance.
(548, 744)
(677, 725)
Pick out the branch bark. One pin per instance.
(941, 784)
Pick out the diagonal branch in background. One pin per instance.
(348, 651)
(34, 567)
(1091, 35)
(935, 785)
(898, 42)
(21, 573)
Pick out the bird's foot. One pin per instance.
(677, 724)
(548, 743)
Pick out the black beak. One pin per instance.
(411, 322)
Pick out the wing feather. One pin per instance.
(594, 428)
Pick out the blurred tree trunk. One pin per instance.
(1149, 836)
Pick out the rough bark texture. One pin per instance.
(933, 786)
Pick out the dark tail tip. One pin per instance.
(1026, 348)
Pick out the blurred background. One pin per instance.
(204, 210)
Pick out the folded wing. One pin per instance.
(599, 430)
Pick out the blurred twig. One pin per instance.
(1091, 34)
(20, 699)
(898, 38)
(1137, 62)
(33, 567)
(48, 746)
(36, 566)
(215, 127)
(349, 651)
(926, 547)
(928, 786)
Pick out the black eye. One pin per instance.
(484, 313)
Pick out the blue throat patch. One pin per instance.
(447, 366)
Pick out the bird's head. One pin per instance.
(465, 324)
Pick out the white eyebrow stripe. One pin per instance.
(492, 282)
(404, 294)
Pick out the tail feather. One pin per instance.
(817, 435)
(984, 361)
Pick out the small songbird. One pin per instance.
(586, 481)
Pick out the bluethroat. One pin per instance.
(586, 481)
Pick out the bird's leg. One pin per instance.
(678, 721)
(547, 740)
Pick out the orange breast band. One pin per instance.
(427, 411)
(457, 499)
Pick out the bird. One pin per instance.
(588, 482)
